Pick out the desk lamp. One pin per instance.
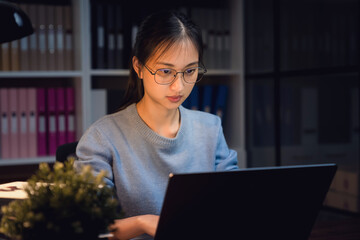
(14, 23)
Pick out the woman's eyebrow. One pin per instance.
(172, 65)
(193, 63)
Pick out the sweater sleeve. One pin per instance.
(94, 149)
(226, 159)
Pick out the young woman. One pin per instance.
(153, 135)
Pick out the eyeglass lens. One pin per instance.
(191, 75)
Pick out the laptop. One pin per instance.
(254, 203)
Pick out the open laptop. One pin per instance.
(253, 203)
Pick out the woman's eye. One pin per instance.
(165, 71)
(190, 71)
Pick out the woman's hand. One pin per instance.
(134, 226)
(149, 223)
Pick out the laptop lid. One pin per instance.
(254, 203)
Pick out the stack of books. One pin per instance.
(35, 121)
(50, 47)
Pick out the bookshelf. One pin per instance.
(84, 77)
(303, 95)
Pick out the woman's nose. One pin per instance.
(178, 83)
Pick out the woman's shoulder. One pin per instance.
(116, 118)
(201, 116)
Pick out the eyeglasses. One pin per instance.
(166, 76)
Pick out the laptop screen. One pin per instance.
(254, 203)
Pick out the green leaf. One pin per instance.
(62, 203)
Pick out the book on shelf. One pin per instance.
(50, 47)
(290, 115)
(51, 118)
(32, 11)
(70, 124)
(5, 57)
(5, 122)
(110, 35)
(317, 39)
(221, 101)
(355, 115)
(59, 37)
(98, 35)
(24, 46)
(14, 118)
(22, 122)
(69, 38)
(215, 25)
(262, 115)
(208, 98)
(50, 36)
(42, 37)
(15, 55)
(105, 101)
(1, 121)
(192, 101)
(1, 58)
(113, 99)
(194, 98)
(309, 116)
(259, 37)
(134, 31)
(60, 116)
(226, 38)
(10, 56)
(33, 121)
(107, 35)
(98, 103)
(119, 35)
(41, 122)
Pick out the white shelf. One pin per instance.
(110, 72)
(26, 161)
(223, 72)
(40, 74)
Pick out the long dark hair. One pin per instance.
(158, 31)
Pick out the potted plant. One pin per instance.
(62, 203)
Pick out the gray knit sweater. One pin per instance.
(139, 160)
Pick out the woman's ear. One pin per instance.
(137, 67)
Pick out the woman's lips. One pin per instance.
(174, 99)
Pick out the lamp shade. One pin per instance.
(14, 23)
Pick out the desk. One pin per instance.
(332, 230)
(347, 229)
(338, 228)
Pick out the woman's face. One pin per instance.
(180, 57)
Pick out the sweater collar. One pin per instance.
(152, 136)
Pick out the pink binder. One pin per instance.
(5, 136)
(70, 114)
(41, 122)
(22, 123)
(51, 115)
(31, 123)
(13, 127)
(60, 116)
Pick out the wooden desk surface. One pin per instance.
(347, 229)
(332, 230)
(338, 228)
